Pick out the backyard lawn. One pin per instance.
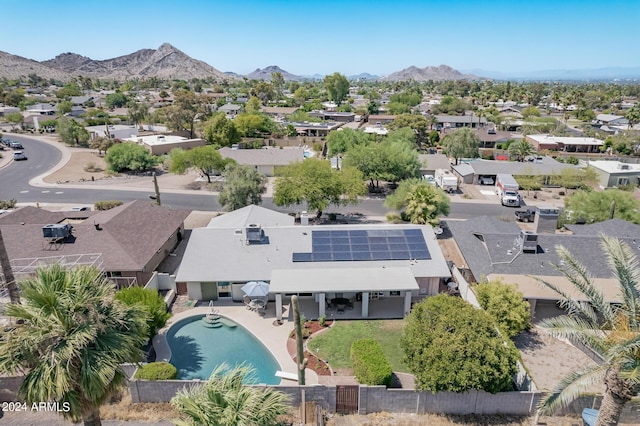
(334, 345)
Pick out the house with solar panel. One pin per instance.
(377, 270)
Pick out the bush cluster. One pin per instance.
(369, 363)
(8, 204)
(107, 204)
(153, 303)
(157, 371)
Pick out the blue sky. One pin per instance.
(305, 37)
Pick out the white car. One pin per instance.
(430, 179)
(486, 180)
(19, 155)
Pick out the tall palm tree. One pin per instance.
(227, 399)
(521, 149)
(611, 331)
(70, 339)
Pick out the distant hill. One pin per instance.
(364, 76)
(14, 67)
(166, 62)
(439, 73)
(609, 73)
(265, 74)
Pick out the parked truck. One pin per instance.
(507, 190)
(446, 180)
(528, 215)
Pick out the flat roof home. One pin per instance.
(567, 144)
(115, 131)
(163, 144)
(131, 240)
(380, 268)
(230, 110)
(539, 166)
(455, 121)
(612, 174)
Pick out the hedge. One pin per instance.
(157, 371)
(106, 205)
(369, 363)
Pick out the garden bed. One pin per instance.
(314, 363)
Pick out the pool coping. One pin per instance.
(273, 338)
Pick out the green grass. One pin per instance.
(334, 345)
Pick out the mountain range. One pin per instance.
(168, 62)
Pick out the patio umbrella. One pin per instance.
(256, 289)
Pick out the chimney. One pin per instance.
(304, 218)
(546, 220)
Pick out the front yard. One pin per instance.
(334, 345)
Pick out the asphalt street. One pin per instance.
(15, 177)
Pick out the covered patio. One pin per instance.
(363, 287)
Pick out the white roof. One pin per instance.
(615, 166)
(566, 140)
(154, 140)
(345, 279)
(249, 215)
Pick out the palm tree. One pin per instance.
(227, 400)
(70, 339)
(521, 149)
(611, 331)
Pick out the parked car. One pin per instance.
(430, 179)
(527, 215)
(15, 145)
(80, 209)
(486, 180)
(19, 155)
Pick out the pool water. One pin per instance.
(197, 350)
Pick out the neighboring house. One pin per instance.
(4, 110)
(365, 263)
(456, 121)
(163, 144)
(115, 131)
(539, 166)
(429, 163)
(611, 120)
(230, 110)
(282, 112)
(612, 174)
(343, 117)
(265, 160)
(42, 109)
(488, 136)
(496, 249)
(381, 118)
(314, 129)
(131, 239)
(81, 100)
(566, 144)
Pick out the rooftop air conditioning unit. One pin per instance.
(528, 241)
(255, 234)
(57, 231)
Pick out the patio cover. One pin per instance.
(331, 280)
(532, 289)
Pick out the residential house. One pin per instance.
(538, 166)
(113, 131)
(611, 120)
(130, 240)
(279, 112)
(343, 117)
(381, 118)
(612, 174)
(496, 249)
(163, 144)
(429, 163)
(381, 269)
(265, 160)
(314, 129)
(230, 110)
(456, 121)
(566, 144)
(42, 109)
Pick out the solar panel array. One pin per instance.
(365, 245)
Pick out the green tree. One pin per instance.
(187, 107)
(451, 346)
(300, 96)
(263, 91)
(398, 108)
(633, 115)
(228, 399)
(151, 302)
(253, 105)
(69, 338)
(116, 100)
(129, 156)
(337, 86)
(206, 159)
(314, 182)
(434, 137)
(71, 132)
(610, 330)
(520, 149)
(462, 143)
(15, 118)
(253, 125)
(221, 131)
(339, 142)
(530, 111)
(277, 81)
(65, 107)
(243, 185)
(68, 90)
(506, 306)
(598, 206)
(101, 143)
(424, 203)
(415, 122)
(138, 111)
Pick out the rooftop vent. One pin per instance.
(623, 166)
(255, 234)
(528, 241)
(57, 231)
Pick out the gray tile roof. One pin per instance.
(434, 161)
(489, 246)
(616, 228)
(548, 166)
(264, 157)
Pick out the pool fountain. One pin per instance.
(212, 319)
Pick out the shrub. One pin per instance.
(505, 304)
(322, 321)
(92, 167)
(107, 204)
(157, 371)
(8, 204)
(129, 156)
(151, 301)
(369, 363)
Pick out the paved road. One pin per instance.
(15, 177)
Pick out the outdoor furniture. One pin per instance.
(257, 304)
(247, 301)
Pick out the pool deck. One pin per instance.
(273, 337)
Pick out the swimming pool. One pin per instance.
(196, 350)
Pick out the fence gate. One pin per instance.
(347, 399)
